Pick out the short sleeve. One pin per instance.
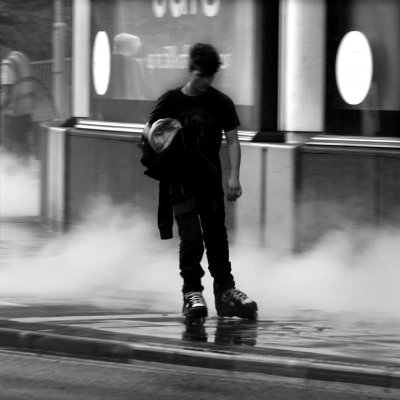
(230, 118)
(161, 110)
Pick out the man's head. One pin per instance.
(204, 58)
(204, 62)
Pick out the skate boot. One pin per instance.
(234, 303)
(194, 308)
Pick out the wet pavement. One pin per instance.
(310, 344)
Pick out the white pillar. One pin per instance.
(302, 50)
(81, 58)
(59, 65)
(55, 179)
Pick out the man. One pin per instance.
(16, 104)
(191, 120)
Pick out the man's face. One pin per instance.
(199, 81)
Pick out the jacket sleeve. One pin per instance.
(165, 218)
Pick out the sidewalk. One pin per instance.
(297, 343)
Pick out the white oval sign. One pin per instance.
(101, 62)
(354, 67)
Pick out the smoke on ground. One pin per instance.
(118, 258)
(352, 271)
(19, 187)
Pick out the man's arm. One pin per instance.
(160, 111)
(234, 189)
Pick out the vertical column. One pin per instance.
(302, 67)
(81, 58)
(55, 178)
(59, 65)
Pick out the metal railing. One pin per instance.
(42, 74)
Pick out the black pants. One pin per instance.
(204, 228)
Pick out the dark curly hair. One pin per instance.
(205, 58)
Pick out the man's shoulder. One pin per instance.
(218, 94)
(169, 95)
(172, 92)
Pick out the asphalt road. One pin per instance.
(31, 376)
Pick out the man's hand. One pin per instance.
(233, 189)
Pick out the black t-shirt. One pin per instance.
(204, 118)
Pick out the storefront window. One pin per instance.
(149, 43)
(378, 111)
